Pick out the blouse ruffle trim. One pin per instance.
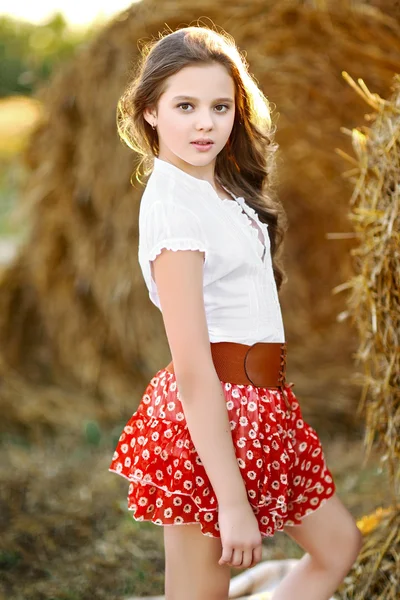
(243, 210)
(175, 245)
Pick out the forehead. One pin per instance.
(203, 82)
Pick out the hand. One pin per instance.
(240, 536)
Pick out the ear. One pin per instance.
(149, 115)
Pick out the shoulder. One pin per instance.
(173, 190)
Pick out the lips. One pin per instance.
(204, 142)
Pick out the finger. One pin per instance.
(247, 558)
(257, 554)
(237, 557)
(226, 555)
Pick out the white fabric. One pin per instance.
(181, 212)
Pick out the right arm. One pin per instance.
(179, 279)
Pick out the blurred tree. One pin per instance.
(29, 52)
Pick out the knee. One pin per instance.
(344, 549)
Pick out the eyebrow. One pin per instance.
(193, 98)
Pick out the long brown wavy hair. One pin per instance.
(246, 164)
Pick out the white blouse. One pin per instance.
(181, 212)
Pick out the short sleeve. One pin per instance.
(174, 227)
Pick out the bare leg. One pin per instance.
(332, 543)
(191, 565)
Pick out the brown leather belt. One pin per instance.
(262, 364)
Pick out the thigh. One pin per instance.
(329, 532)
(191, 565)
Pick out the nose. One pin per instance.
(204, 120)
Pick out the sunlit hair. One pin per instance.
(246, 164)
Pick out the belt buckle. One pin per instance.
(257, 356)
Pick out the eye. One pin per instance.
(223, 106)
(184, 104)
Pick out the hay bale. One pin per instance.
(80, 267)
(375, 574)
(373, 292)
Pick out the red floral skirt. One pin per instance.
(280, 457)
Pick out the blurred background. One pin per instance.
(79, 337)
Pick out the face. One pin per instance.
(198, 103)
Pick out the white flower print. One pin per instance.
(241, 442)
(229, 405)
(145, 454)
(302, 446)
(249, 454)
(235, 393)
(154, 436)
(316, 452)
(275, 445)
(177, 501)
(251, 475)
(150, 508)
(314, 501)
(252, 494)
(251, 406)
(276, 465)
(141, 440)
(168, 513)
(159, 474)
(118, 468)
(150, 411)
(128, 429)
(208, 517)
(180, 416)
(259, 462)
(178, 474)
(179, 444)
(275, 485)
(283, 478)
(199, 481)
(178, 520)
(164, 454)
(159, 502)
(138, 474)
(243, 421)
(142, 501)
(241, 463)
(252, 434)
(115, 455)
(124, 448)
(169, 470)
(228, 386)
(157, 450)
(127, 462)
(133, 442)
(187, 485)
(168, 433)
(173, 386)
(187, 508)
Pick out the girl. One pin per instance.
(217, 451)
